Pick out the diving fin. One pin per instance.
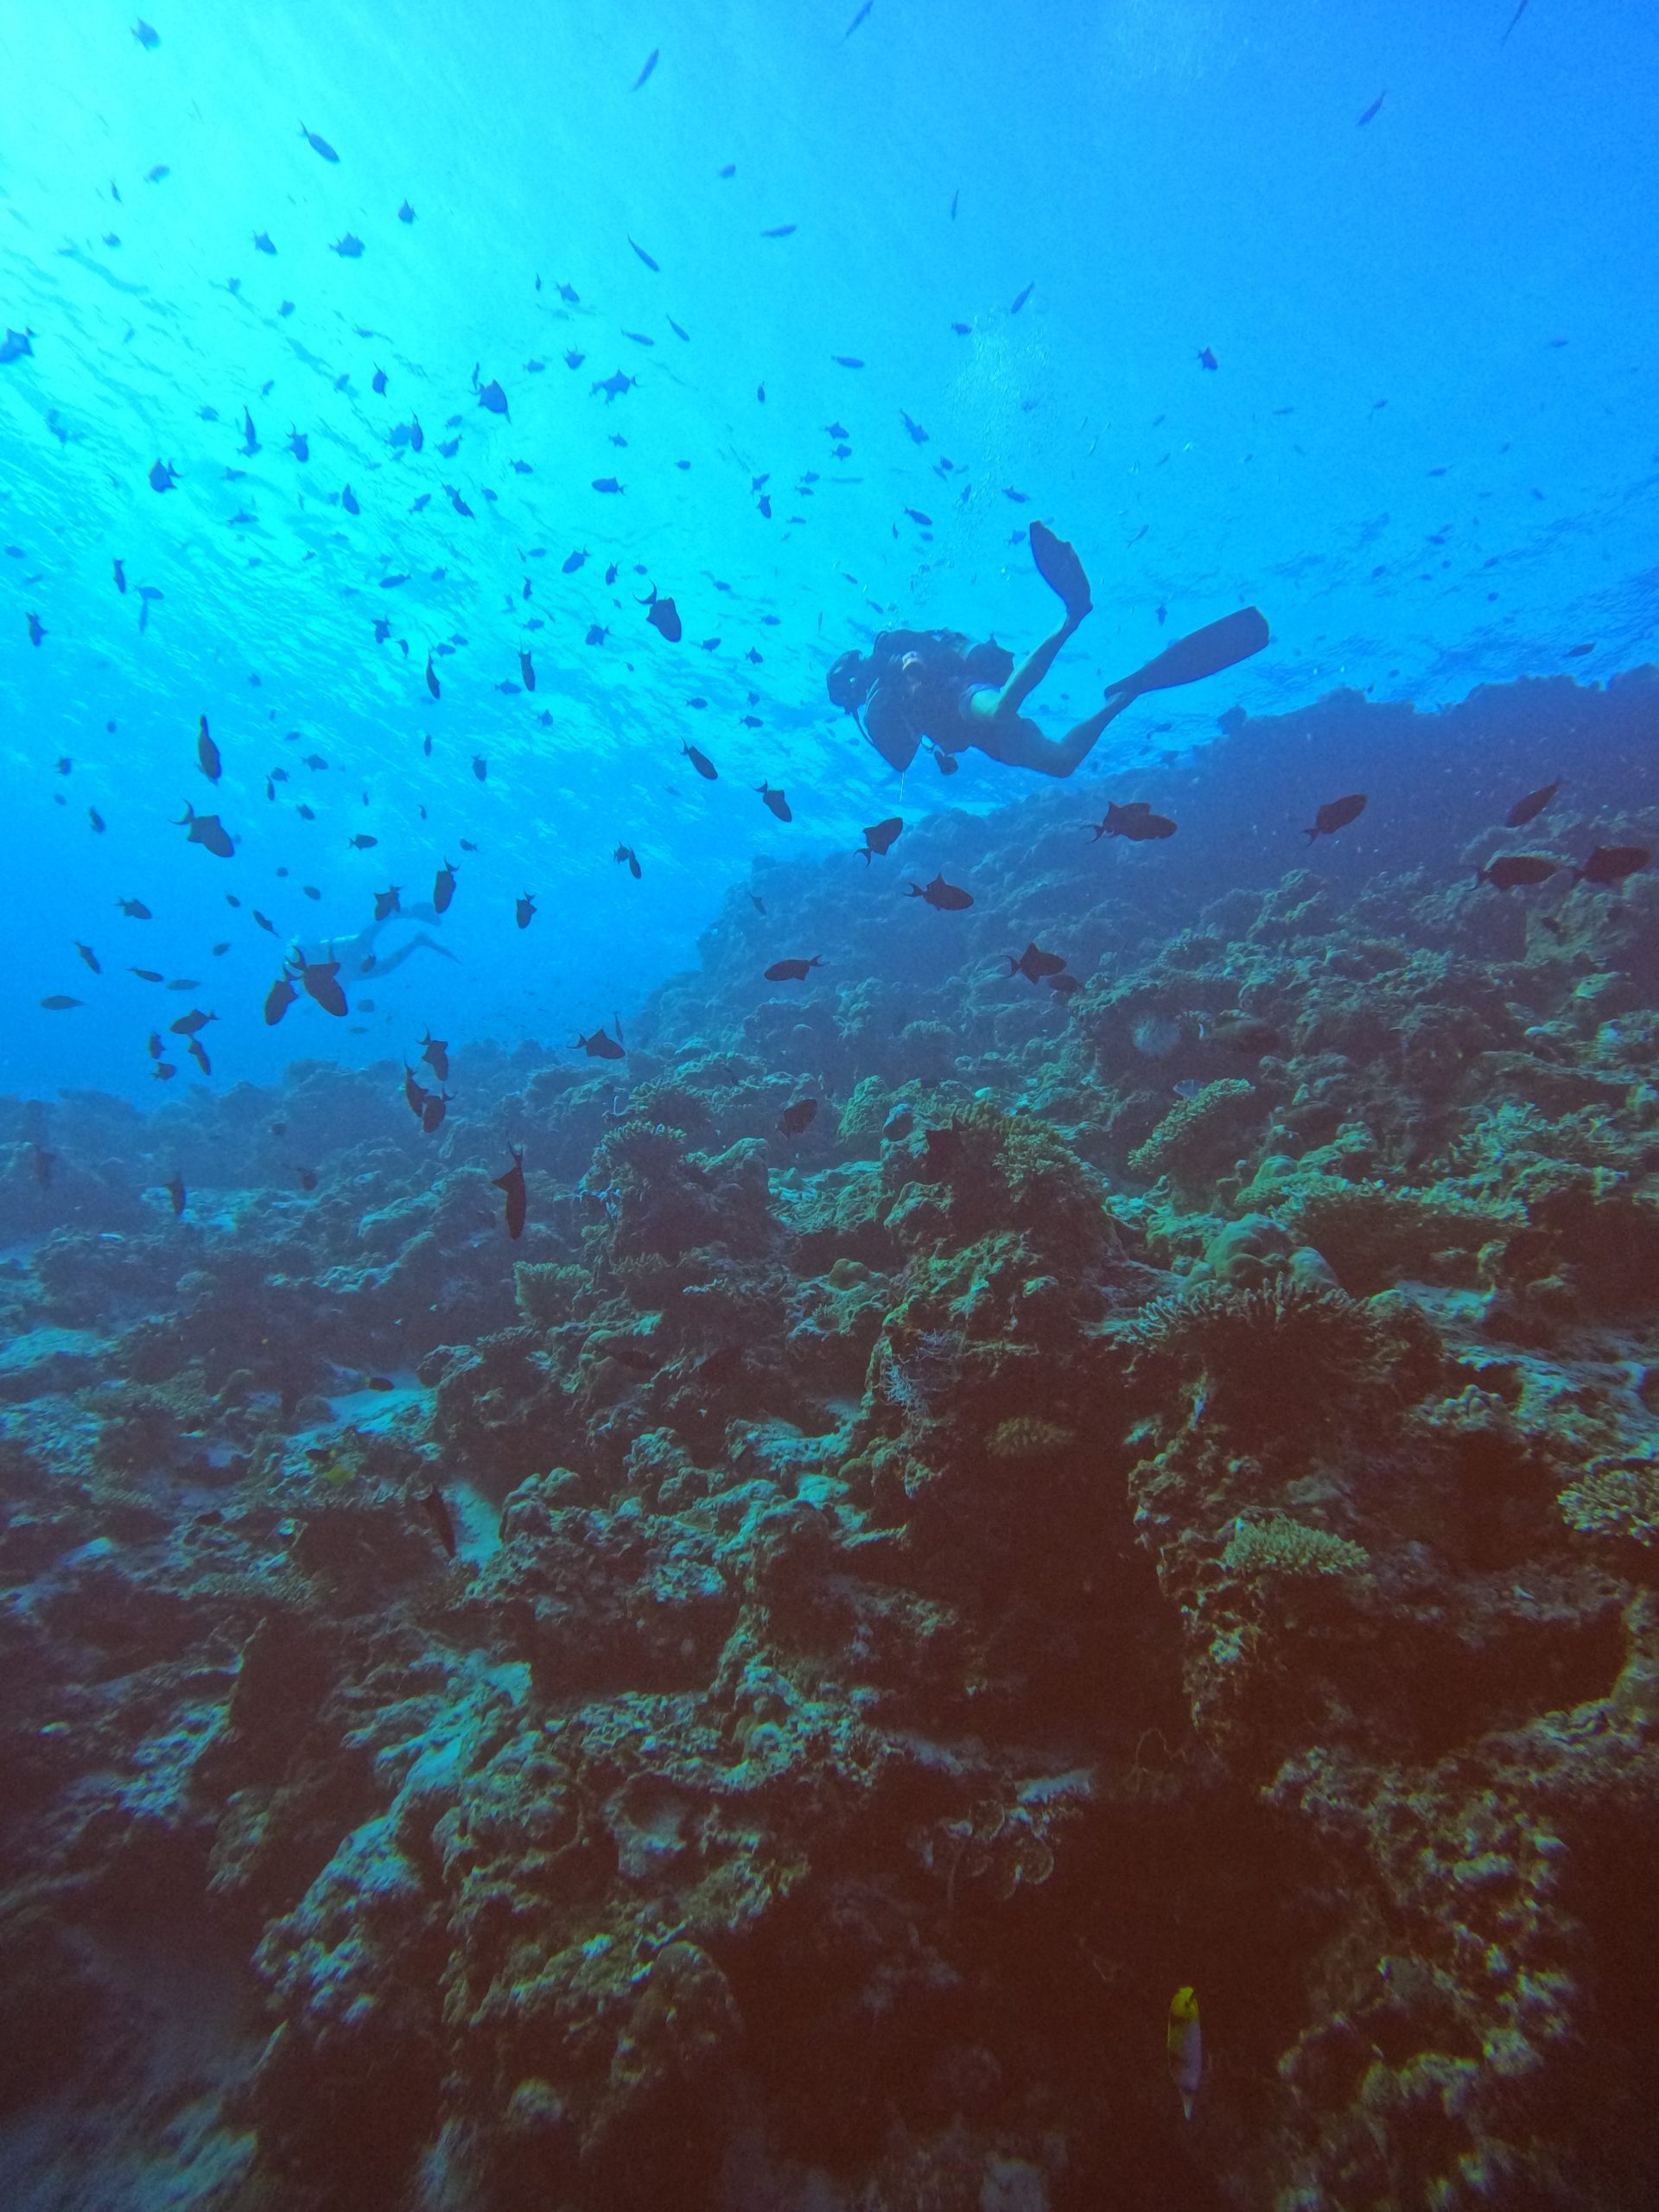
(1205, 652)
(1061, 570)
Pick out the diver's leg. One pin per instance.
(1024, 681)
(1018, 743)
(420, 944)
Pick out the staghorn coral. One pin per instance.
(1616, 1497)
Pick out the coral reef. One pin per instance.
(757, 1691)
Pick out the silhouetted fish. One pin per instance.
(1530, 808)
(491, 396)
(134, 909)
(626, 853)
(792, 971)
(1034, 964)
(443, 888)
(437, 1512)
(1610, 864)
(432, 684)
(1510, 869)
(175, 1188)
(650, 63)
(526, 669)
(795, 1118)
(600, 1047)
(206, 829)
(665, 616)
(60, 1002)
(206, 752)
(949, 898)
(524, 910)
(512, 1183)
(1336, 814)
(87, 955)
(878, 838)
(435, 1052)
(1135, 821)
(318, 145)
(318, 979)
(386, 902)
(704, 766)
(776, 801)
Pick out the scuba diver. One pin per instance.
(934, 684)
(359, 954)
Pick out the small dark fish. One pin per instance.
(524, 910)
(780, 231)
(655, 267)
(318, 978)
(195, 1047)
(120, 574)
(437, 1512)
(916, 515)
(1020, 299)
(600, 1047)
(207, 752)
(481, 767)
(678, 331)
(491, 396)
(1510, 869)
(318, 145)
(776, 801)
(147, 35)
(665, 618)
(363, 842)
(154, 176)
(134, 909)
(1374, 108)
(847, 360)
(792, 971)
(443, 888)
(87, 955)
(513, 1183)
(377, 381)
(163, 1070)
(386, 902)
(1504, 41)
(206, 829)
(949, 898)
(261, 242)
(1034, 965)
(605, 484)
(14, 346)
(435, 1050)
(1530, 808)
(863, 11)
(946, 763)
(795, 1118)
(146, 975)
(60, 1002)
(1136, 822)
(250, 438)
(1064, 985)
(432, 1113)
(1336, 814)
(162, 476)
(1578, 652)
(299, 445)
(414, 1093)
(650, 63)
(348, 246)
(36, 630)
(526, 669)
(432, 684)
(405, 213)
(1207, 360)
(626, 853)
(175, 1188)
(348, 500)
(1610, 864)
(704, 766)
(612, 386)
(191, 1024)
(880, 836)
(918, 435)
(417, 435)
(96, 820)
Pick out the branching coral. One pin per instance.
(1200, 1137)
(1279, 1545)
(1617, 1497)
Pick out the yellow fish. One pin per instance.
(1186, 2041)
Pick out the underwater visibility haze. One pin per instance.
(829, 1144)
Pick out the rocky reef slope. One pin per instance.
(1155, 1482)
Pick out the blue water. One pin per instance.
(1426, 449)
